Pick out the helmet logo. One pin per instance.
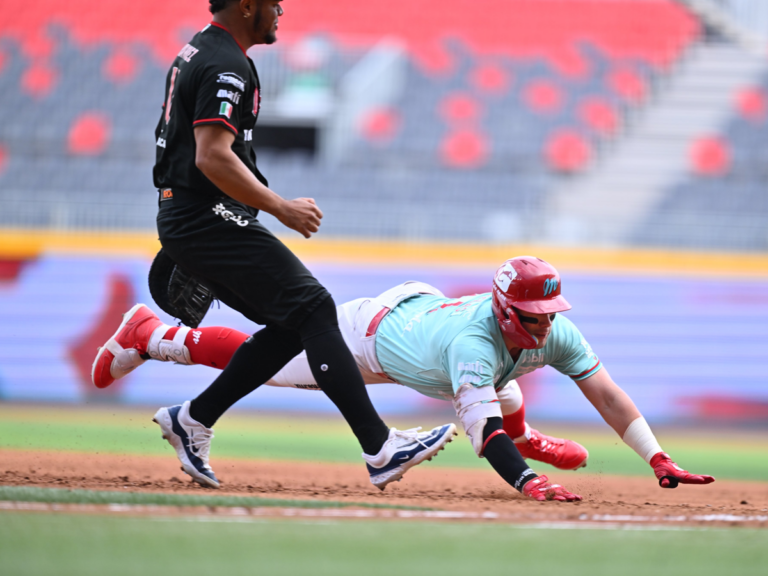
(550, 285)
(505, 276)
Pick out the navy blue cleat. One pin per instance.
(191, 440)
(405, 449)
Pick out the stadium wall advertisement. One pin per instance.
(686, 347)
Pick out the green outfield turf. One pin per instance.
(259, 436)
(62, 545)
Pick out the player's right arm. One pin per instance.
(215, 158)
(618, 410)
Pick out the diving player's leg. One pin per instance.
(142, 336)
(559, 452)
(146, 337)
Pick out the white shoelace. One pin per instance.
(201, 440)
(411, 434)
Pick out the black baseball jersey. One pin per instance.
(211, 81)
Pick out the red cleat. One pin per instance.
(542, 489)
(559, 452)
(123, 352)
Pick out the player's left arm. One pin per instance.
(621, 414)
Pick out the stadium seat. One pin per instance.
(751, 104)
(599, 115)
(568, 151)
(710, 156)
(380, 125)
(543, 96)
(89, 134)
(464, 149)
(460, 107)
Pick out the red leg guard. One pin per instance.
(514, 424)
(211, 346)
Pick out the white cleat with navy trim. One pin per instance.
(405, 449)
(190, 439)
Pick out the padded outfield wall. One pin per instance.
(684, 333)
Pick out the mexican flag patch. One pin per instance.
(225, 109)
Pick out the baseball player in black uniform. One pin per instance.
(210, 195)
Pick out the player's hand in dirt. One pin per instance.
(541, 489)
(302, 215)
(670, 474)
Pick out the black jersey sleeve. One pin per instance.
(220, 96)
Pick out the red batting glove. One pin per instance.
(540, 489)
(670, 474)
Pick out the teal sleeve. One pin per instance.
(470, 359)
(575, 356)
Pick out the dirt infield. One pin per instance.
(471, 491)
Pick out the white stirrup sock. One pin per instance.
(169, 350)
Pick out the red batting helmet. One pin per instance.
(530, 284)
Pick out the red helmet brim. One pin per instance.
(556, 304)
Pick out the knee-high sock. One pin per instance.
(211, 346)
(501, 453)
(255, 361)
(514, 424)
(337, 374)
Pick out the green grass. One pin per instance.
(301, 438)
(62, 545)
(63, 496)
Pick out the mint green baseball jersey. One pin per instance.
(434, 345)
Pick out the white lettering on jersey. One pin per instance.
(469, 379)
(247, 135)
(417, 319)
(188, 52)
(588, 349)
(233, 79)
(161, 142)
(234, 96)
(471, 367)
(196, 336)
(222, 211)
(535, 358)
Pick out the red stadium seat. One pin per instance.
(752, 105)
(121, 67)
(380, 125)
(543, 96)
(628, 84)
(39, 79)
(568, 151)
(464, 149)
(710, 156)
(460, 107)
(599, 115)
(655, 31)
(89, 134)
(490, 79)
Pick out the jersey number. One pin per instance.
(174, 74)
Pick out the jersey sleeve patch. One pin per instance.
(219, 98)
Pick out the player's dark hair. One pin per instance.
(218, 5)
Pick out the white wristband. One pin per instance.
(640, 438)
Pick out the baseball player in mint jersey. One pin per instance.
(210, 195)
(470, 350)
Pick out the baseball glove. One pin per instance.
(177, 293)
